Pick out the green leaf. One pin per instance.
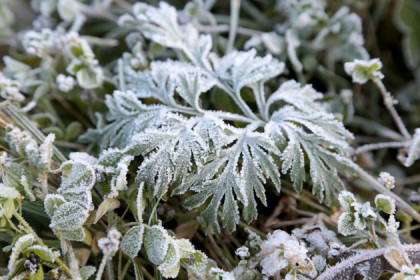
(8, 192)
(19, 177)
(9, 208)
(69, 216)
(132, 241)
(74, 235)
(107, 205)
(346, 224)
(73, 130)
(43, 252)
(89, 78)
(77, 180)
(156, 242)
(21, 244)
(39, 275)
(346, 199)
(171, 264)
(385, 203)
(52, 202)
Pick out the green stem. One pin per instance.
(124, 271)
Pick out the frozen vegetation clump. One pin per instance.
(239, 140)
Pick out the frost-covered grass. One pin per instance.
(209, 139)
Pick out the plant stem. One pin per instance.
(377, 146)
(125, 269)
(223, 28)
(234, 16)
(102, 267)
(389, 103)
(347, 268)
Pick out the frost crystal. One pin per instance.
(111, 243)
(281, 250)
(65, 83)
(364, 70)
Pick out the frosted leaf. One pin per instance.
(407, 273)
(414, 149)
(109, 204)
(323, 163)
(185, 248)
(395, 258)
(23, 144)
(346, 199)
(364, 70)
(21, 244)
(87, 271)
(346, 224)
(239, 69)
(156, 241)
(220, 274)
(293, 43)
(171, 264)
(52, 202)
(8, 192)
(392, 225)
(274, 43)
(115, 164)
(320, 263)
(74, 235)
(178, 144)
(128, 116)
(77, 180)
(385, 203)
(43, 252)
(90, 78)
(68, 10)
(26, 184)
(46, 153)
(191, 85)
(140, 202)
(69, 216)
(132, 241)
(316, 129)
(158, 24)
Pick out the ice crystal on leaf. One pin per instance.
(191, 148)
